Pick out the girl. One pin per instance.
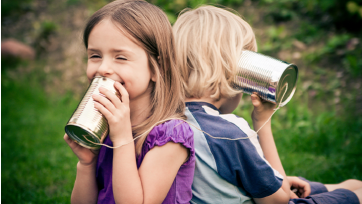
(131, 42)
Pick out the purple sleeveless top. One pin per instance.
(175, 131)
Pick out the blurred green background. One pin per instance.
(318, 133)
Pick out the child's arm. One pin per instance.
(152, 181)
(262, 111)
(302, 188)
(85, 188)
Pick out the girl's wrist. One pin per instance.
(123, 139)
(122, 142)
(86, 167)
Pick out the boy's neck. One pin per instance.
(217, 104)
(224, 105)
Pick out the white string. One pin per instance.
(256, 133)
(162, 121)
(219, 138)
(277, 108)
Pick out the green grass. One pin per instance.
(37, 165)
(320, 146)
(317, 138)
(325, 146)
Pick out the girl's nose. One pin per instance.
(105, 69)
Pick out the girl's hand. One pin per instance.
(262, 109)
(299, 188)
(117, 112)
(86, 156)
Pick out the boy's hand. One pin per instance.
(86, 156)
(299, 188)
(262, 109)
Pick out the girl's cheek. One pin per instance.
(91, 72)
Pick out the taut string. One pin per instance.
(220, 138)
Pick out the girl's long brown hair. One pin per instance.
(149, 27)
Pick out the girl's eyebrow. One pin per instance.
(122, 50)
(92, 50)
(113, 50)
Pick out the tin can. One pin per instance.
(87, 126)
(274, 80)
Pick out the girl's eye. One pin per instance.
(121, 58)
(95, 56)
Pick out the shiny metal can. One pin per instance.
(273, 80)
(87, 126)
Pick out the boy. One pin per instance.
(233, 165)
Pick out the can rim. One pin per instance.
(291, 93)
(104, 78)
(82, 142)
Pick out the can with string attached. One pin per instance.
(273, 80)
(87, 126)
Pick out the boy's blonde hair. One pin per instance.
(209, 42)
(148, 26)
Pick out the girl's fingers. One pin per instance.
(104, 101)
(95, 152)
(74, 146)
(103, 110)
(68, 140)
(123, 92)
(84, 155)
(111, 96)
